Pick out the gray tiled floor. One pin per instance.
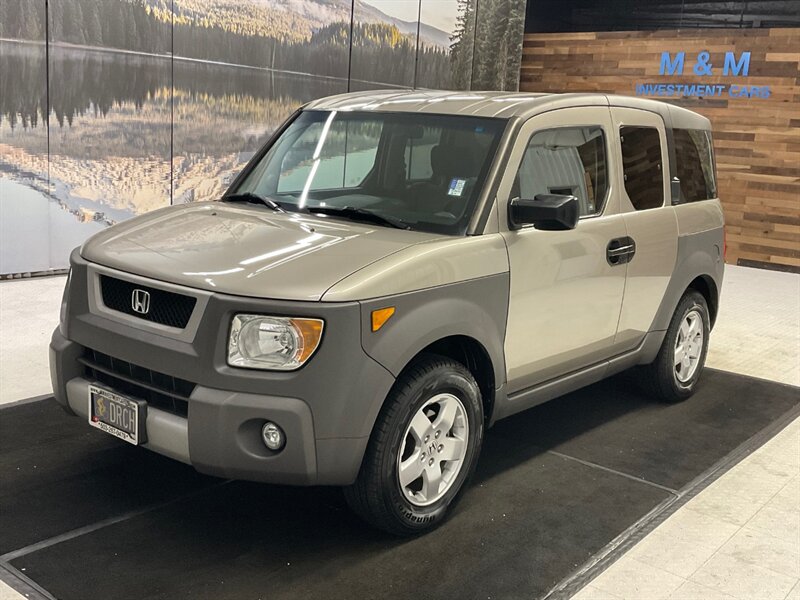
(740, 537)
(758, 328)
(707, 550)
(28, 314)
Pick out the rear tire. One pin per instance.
(673, 375)
(423, 449)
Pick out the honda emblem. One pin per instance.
(140, 301)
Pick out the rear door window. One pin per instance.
(642, 166)
(695, 164)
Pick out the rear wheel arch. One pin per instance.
(696, 272)
(679, 349)
(705, 285)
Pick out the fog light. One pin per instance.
(272, 436)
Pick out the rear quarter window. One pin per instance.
(695, 164)
(642, 166)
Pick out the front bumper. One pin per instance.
(326, 409)
(221, 435)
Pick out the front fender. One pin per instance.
(476, 308)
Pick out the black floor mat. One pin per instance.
(614, 424)
(532, 516)
(59, 474)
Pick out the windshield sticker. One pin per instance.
(456, 187)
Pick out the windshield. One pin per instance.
(423, 172)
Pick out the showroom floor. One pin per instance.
(740, 537)
(735, 536)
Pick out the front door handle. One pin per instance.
(620, 251)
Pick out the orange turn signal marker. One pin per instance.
(310, 331)
(380, 316)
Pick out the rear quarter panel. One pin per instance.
(701, 242)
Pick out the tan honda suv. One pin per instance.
(390, 275)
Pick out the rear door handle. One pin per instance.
(620, 251)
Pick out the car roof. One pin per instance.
(502, 105)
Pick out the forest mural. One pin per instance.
(110, 108)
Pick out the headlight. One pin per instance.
(275, 343)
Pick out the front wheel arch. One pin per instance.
(476, 309)
(465, 350)
(377, 495)
(473, 355)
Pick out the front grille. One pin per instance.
(165, 308)
(160, 391)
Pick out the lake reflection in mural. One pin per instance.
(133, 128)
(110, 124)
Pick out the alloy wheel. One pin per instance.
(433, 449)
(688, 346)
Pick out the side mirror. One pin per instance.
(551, 212)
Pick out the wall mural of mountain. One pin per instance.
(153, 102)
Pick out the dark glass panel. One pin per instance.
(637, 15)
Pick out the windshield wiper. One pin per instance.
(254, 199)
(359, 214)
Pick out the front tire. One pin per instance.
(674, 374)
(423, 449)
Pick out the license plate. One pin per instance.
(120, 416)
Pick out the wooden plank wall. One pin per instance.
(757, 140)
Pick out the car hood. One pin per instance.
(245, 250)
